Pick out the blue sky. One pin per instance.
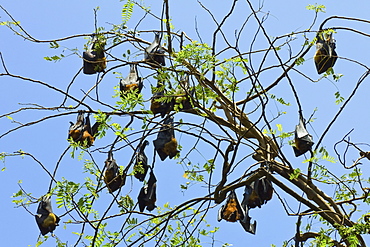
(47, 20)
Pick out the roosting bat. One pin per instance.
(147, 196)
(112, 177)
(325, 56)
(183, 95)
(302, 140)
(132, 81)
(141, 163)
(257, 193)
(82, 131)
(45, 218)
(166, 143)
(232, 211)
(94, 59)
(154, 54)
(158, 103)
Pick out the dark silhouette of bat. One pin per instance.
(232, 211)
(45, 218)
(132, 81)
(160, 104)
(141, 163)
(154, 53)
(302, 140)
(166, 143)
(147, 196)
(112, 177)
(325, 56)
(257, 193)
(94, 58)
(82, 132)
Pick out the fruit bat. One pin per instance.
(183, 94)
(166, 143)
(232, 211)
(325, 56)
(45, 218)
(141, 163)
(154, 54)
(82, 131)
(94, 59)
(76, 130)
(257, 193)
(147, 196)
(302, 140)
(246, 223)
(157, 104)
(112, 177)
(132, 81)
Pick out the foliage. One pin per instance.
(233, 118)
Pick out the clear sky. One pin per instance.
(48, 20)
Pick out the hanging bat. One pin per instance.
(76, 130)
(246, 223)
(94, 59)
(154, 54)
(183, 95)
(302, 140)
(157, 104)
(82, 132)
(132, 81)
(112, 177)
(147, 196)
(141, 163)
(45, 218)
(166, 143)
(257, 193)
(325, 56)
(232, 211)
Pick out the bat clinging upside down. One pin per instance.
(160, 104)
(302, 140)
(132, 81)
(183, 95)
(325, 56)
(141, 163)
(82, 132)
(232, 211)
(257, 193)
(166, 143)
(112, 177)
(94, 59)
(154, 54)
(147, 196)
(45, 218)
